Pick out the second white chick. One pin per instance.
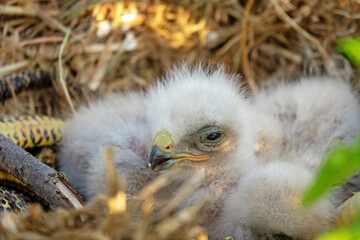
(267, 205)
(305, 118)
(296, 125)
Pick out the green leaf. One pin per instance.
(350, 233)
(351, 48)
(342, 234)
(341, 163)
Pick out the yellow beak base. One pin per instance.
(162, 156)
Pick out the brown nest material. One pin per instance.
(116, 216)
(127, 44)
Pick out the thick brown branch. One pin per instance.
(43, 180)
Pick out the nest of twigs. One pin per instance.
(98, 47)
(115, 216)
(128, 44)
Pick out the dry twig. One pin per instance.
(40, 178)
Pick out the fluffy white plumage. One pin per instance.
(186, 101)
(199, 120)
(118, 121)
(296, 124)
(267, 205)
(304, 119)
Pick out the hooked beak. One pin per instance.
(162, 156)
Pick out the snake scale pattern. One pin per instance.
(18, 82)
(25, 131)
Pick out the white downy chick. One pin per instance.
(194, 120)
(267, 205)
(305, 118)
(295, 126)
(200, 122)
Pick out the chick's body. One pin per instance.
(266, 204)
(194, 121)
(304, 119)
(191, 106)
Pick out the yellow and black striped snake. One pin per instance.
(18, 82)
(27, 132)
(32, 131)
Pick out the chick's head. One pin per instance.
(199, 120)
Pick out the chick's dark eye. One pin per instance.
(213, 136)
(210, 136)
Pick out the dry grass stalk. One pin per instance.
(245, 51)
(110, 217)
(148, 37)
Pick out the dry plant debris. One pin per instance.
(115, 216)
(120, 45)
